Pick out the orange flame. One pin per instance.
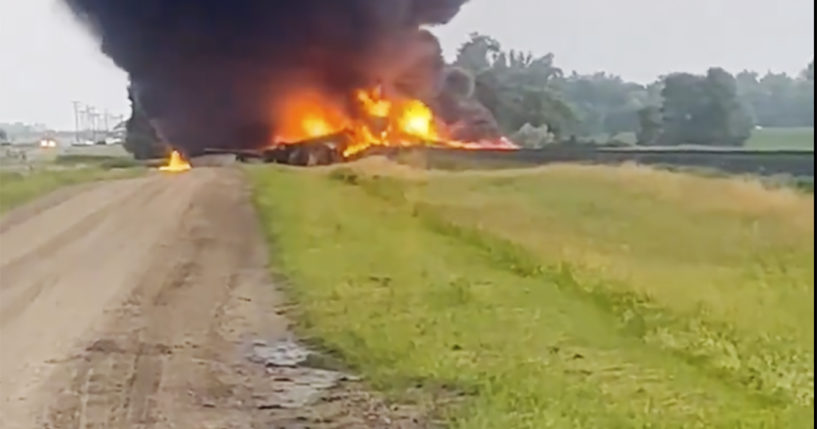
(307, 115)
(373, 103)
(387, 122)
(416, 119)
(176, 164)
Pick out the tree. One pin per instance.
(777, 99)
(622, 120)
(804, 100)
(703, 110)
(751, 93)
(516, 87)
(3, 136)
(649, 126)
(519, 88)
(604, 103)
(478, 53)
(681, 96)
(728, 119)
(808, 73)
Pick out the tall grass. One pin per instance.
(557, 297)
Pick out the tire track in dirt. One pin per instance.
(63, 269)
(133, 304)
(17, 261)
(25, 212)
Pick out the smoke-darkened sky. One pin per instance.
(211, 73)
(48, 60)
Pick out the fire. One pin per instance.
(309, 115)
(382, 121)
(316, 126)
(373, 103)
(176, 164)
(417, 120)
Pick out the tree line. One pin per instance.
(535, 102)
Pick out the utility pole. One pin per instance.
(94, 124)
(76, 121)
(90, 118)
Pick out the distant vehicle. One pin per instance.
(48, 143)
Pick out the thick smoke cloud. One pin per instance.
(208, 72)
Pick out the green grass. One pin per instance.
(20, 187)
(628, 138)
(782, 138)
(801, 138)
(565, 297)
(102, 161)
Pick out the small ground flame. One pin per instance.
(176, 164)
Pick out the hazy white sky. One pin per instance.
(47, 60)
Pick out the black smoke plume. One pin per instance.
(207, 73)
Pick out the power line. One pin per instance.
(91, 123)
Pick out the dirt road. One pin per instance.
(132, 304)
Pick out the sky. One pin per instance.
(47, 60)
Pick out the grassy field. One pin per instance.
(564, 297)
(45, 170)
(763, 139)
(782, 138)
(20, 187)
